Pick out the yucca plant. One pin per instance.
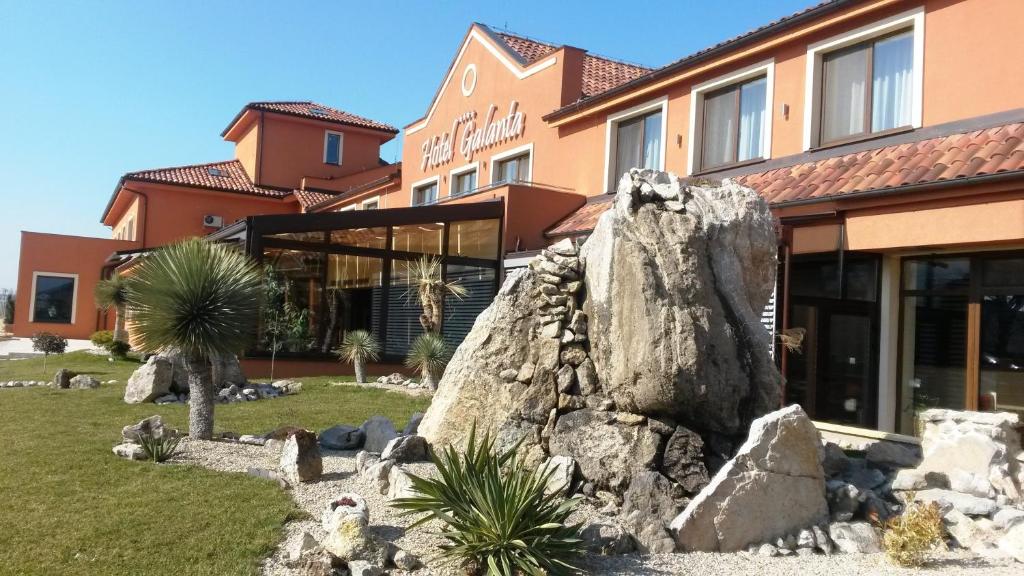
(429, 354)
(202, 299)
(113, 293)
(425, 275)
(498, 518)
(159, 448)
(357, 347)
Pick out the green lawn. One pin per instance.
(69, 506)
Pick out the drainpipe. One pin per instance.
(787, 251)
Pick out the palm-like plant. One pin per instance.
(429, 354)
(357, 347)
(202, 299)
(425, 274)
(499, 518)
(113, 293)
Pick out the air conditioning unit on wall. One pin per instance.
(211, 221)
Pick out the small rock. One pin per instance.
(970, 505)
(62, 379)
(1012, 543)
(405, 449)
(566, 379)
(365, 459)
(562, 469)
(629, 419)
(378, 431)
(573, 354)
(835, 461)
(166, 399)
(767, 550)
(893, 455)
(854, 538)
(413, 426)
(84, 381)
(348, 503)
(865, 478)
(806, 539)
(130, 451)
(152, 426)
(1008, 518)
(400, 484)
(602, 536)
(406, 561)
(304, 544)
(342, 437)
(822, 540)
(508, 375)
(525, 373)
(300, 458)
(253, 440)
(586, 377)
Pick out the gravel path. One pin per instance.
(340, 476)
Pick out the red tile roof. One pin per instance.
(995, 150)
(599, 73)
(314, 111)
(309, 198)
(225, 176)
(978, 153)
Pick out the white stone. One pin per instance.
(130, 451)
(1012, 543)
(970, 505)
(1007, 518)
(304, 544)
(150, 381)
(400, 484)
(562, 469)
(378, 431)
(854, 538)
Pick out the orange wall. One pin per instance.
(68, 255)
(171, 213)
(291, 148)
(247, 150)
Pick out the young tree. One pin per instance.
(357, 347)
(425, 274)
(202, 299)
(48, 343)
(113, 293)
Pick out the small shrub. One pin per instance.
(908, 537)
(498, 518)
(48, 343)
(159, 448)
(119, 349)
(429, 354)
(102, 338)
(358, 347)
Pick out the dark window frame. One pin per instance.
(417, 190)
(341, 144)
(522, 160)
(640, 118)
(737, 106)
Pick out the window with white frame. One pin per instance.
(372, 203)
(425, 193)
(463, 182)
(636, 140)
(348, 208)
(867, 82)
(514, 169)
(53, 298)
(730, 118)
(333, 143)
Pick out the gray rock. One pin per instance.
(843, 500)
(399, 484)
(152, 426)
(648, 508)
(566, 379)
(854, 538)
(864, 478)
(564, 247)
(406, 561)
(562, 469)
(684, 460)
(604, 536)
(806, 539)
(893, 455)
(405, 449)
(608, 454)
(539, 398)
(379, 473)
(835, 461)
(130, 451)
(586, 377)
(525, 373)
(573, 355)
(413, 426)
(301, 547)
(675, 300)
(171, 398)
(774, 486)
(913, 479)
(767, 550)
(377, 432)
(342, 437)
(965, 503)
(967, 533)
(508, 375)
(822, 540)
(62, 379)
(1007, 518)
(365, 459)
(150, 381)
(300, 458)
(1012, 543)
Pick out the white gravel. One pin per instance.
(339, 476)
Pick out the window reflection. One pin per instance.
(474, 239)
(419, 238)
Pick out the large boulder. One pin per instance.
(773, 487)
(225, 371)
(377, 432)
(471, 388)
(342, 437)
(674, 300)
(151, 381)
(608, 453)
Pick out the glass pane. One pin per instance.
(861, 279)
(514, 169)
(403, 310)
(465, 183)
(752, 105)
(802, 373)
(1002, 354)
(844, 395)
(361, 237)
(474, 239)
(461, 313)
(719, 142)
(652, 141)
(292, 315)
(937, 274)
(816, 279)
(333, 155)
(354, 296)
(892, 82)
(999, 272)
(425, 194)
(627, 149)
(421, 238)
(934, 356)
(317, 237)
(54, 299)
(844, 93)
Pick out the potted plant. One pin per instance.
(357, 347)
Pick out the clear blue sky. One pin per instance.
(91, 90)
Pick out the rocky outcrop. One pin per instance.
(774, 486)
(676, 297)
(150, 381)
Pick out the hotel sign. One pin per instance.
(472, 136)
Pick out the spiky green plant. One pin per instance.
(425, 275)
(113, 293)
(202, 299)
(429, 354)
(498, 518)
(358, 347)
(159, 448)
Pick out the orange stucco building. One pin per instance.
(887, 135)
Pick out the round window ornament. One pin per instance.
(469, 79)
